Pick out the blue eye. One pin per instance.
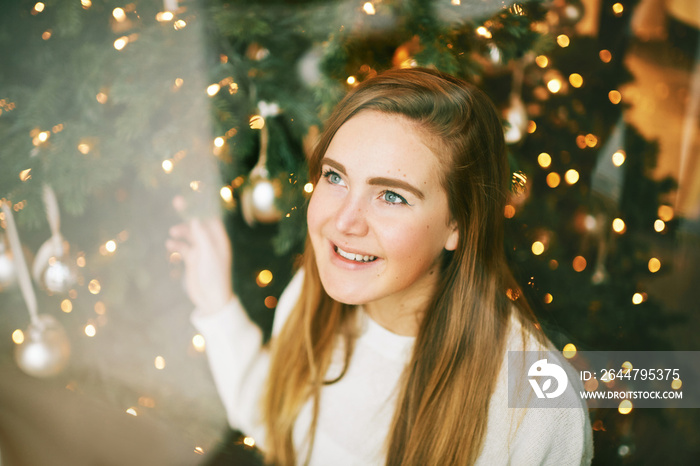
(332, 177)
(393, 198)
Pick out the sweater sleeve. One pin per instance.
(234, 348)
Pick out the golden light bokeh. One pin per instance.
(569, 351)
(179, 24)
(548, 298)
(553, 264)
(618, 158)
(213, 89)
(132, 411)
(659, 225)
(111, 246)
(100, 308)
(563, 40)
(509, 211)
(571, 176)
(86, 3)
(625, 407)
(654, 265)
(544, 159)
(531, 127)
(249, 441)
(665, 213)
(164, 16)
(199, 343)
(618, 225)
(226, 193)
(39, 7)
(256, 122)
(84, 148)
(537, 248)
(167, 166)
(553, 179)
(67, 306)
(483, 32)
(90, 330)
(554, 85)
(94, 286)
(605, 56)
(368, 8)
(309, 188)
(159, 362)
(637, 298)
(676, 384)
(101, 97)
(542, 61)
(270, 302)
(119, 14)
(194, 185)
(576, 80)
(618, 8)
(264, 278)
(219, 141)
(615, 96)
(120, 43)
(25, 175)
(579, 263)
(18, 337)
(591, 140)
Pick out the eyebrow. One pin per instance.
(378, 181)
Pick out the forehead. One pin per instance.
(387, 144)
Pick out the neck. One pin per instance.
(402, 313)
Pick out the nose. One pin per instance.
(351, 217)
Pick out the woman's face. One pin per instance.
(379, 218)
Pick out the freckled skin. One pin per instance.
(347, 211)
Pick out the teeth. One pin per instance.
(354, 257)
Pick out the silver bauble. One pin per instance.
(517, 119)
(58, 276)
(258, 201)
(45, 350)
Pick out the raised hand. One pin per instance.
(206, 252)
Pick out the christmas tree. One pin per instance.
(139, 116)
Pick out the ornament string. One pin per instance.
(53, 247)
(25, 281)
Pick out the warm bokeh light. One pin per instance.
(625, 407)
(579, 263)
(226, 193)
(18, 337)
(67, 306)
(309, 187)
(43, 136)
(553, 264)
(615, 96)
(94, 286)
(167, 166)
(569, 351)
(605, 56)
(351, 80)
(164, 16)
(544, 159)
(219, 141)
(83, 148)
(548, 298)
(111, 246)
(81, 261)
(46, 35)
(119, 14)
(618, 158)
(100, 308)
(256, 122)
(676, 384)
(86, 3)
(264, 278)
(654, 265)
(542, 61)
(39, 7)
(576, 80)
(563, 40)
(571, 176)
(213, 89)
(199, 450)
(665, 213)
(120, 43)
(627, 366)
(483, 32)
(368, 8)
(554, 85)
(90, 330)
(101, 97)
(132, 411)
(179, 24)
(198, 343)
(194, 185)
(618, 225)
(617, 8)
(591, 140)
(509, 211)
(637, 298)
(25, 175)
(249, 441)
(159, 363)
(553, 179)
(270, 302)
(531, 127)
(659, 225)
(537, 248)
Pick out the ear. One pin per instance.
(453, 238)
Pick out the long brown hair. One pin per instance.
(442, 408)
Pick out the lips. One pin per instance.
(356, 257)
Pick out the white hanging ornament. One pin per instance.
(45, 350)
(258, 197)
(8, 273)
(52, 268)
(516, 116)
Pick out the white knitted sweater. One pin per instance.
(356, 412)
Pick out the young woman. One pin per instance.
(390, 344)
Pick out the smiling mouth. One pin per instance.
(354, 257)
